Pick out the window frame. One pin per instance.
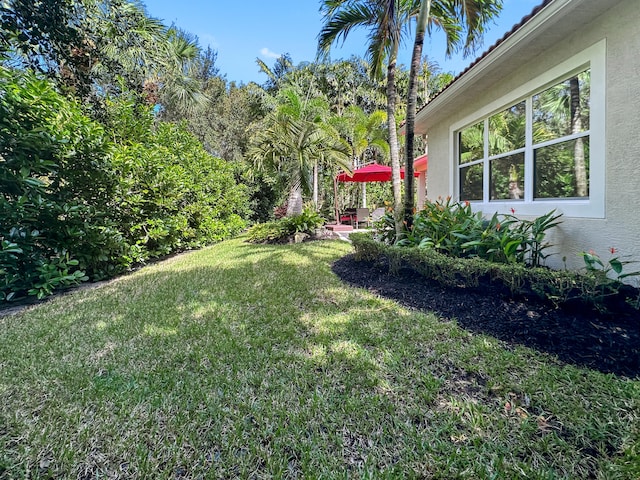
(592, 58)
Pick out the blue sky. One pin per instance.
(244, 31)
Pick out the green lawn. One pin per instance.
(256, 362)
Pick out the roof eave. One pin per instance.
(496, 54)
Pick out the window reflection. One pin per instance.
(507, 129)
(556, 173)
(471, 182)
(471, 141)
(507, 178)
(562, 109)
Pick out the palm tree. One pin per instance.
(134, 48)
(386, 21)
(365, 135)
(277, 75)
(454, 17)
(296, 138)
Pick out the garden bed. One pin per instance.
(580, 336)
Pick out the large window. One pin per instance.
(558, 119)
(539, 147)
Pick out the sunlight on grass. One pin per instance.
(250, 360)
(154, 330)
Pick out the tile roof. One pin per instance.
(499, 42)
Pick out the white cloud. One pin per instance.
(208, 39)
(265, 52)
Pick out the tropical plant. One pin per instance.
(454, 229)
(386, 21)
(454, 17)
(283, 229)
(607, 275)
(295, 140)
(365, 134)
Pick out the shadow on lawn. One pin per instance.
(586, 338)
(265, 339)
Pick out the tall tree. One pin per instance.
(457, 18)
(100, 47)
(149, 57)
(386, 21)
(276, 74)
(295, 138)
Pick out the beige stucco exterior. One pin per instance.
(560, 31)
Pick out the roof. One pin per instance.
(499, 42)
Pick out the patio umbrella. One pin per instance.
(374, 172)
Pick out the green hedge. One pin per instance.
(558, 287)
(84, 199)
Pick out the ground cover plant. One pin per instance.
(256, 361)
(456, 247)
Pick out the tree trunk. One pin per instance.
(579, 166)
(294, 202)
(412, 100)
(316, 202)
(394, 149)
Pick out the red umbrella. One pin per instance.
(373, 172)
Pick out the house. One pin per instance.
(549, 118)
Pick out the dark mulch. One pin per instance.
(609, 344)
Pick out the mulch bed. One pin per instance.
(607, 343)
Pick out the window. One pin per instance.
(539, 147)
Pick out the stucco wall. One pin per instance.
(621, 226)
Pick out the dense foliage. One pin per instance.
(284, 229)
(81, 200)
(454, 229)
(558, 287)
(121, 141)
(451, 244)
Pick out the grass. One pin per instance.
(256, 362)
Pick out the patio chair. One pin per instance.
(362, 216)
(377, 214)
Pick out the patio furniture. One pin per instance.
(377, 214)
(362, 216)
(348, 215)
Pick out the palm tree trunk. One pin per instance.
(394, 149)
(294, 202)
(579, 166)
(412, 100)
(316, 203)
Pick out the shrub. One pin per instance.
(280, 231)
(80, 201)
(53, 174)
(556, 287)
(453, 229)
(173, 195)
(268, 232)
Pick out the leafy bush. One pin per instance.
(557, 287)
(307, 222)
(282, 230)
(453, 229)
(74, 204)
(173, 195)
(607, 276)
(268, 232)
(52, 170)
